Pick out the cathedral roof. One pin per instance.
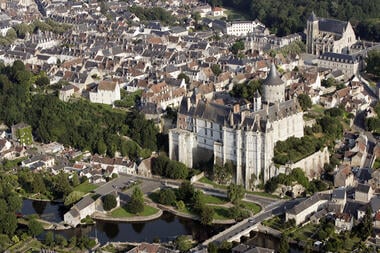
(273, 78)
(332, 25)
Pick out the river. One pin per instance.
(165, 228)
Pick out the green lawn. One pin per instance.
(221, 213)
(254, 208)
(274, 223)
(209, 199)
(85, 187)
(121, 212)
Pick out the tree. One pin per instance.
(136, 204)
(43, 81)
(9, 224)
(237, 213)
(207, 215)
(185, 191)
(223, 174)
(101, 147)
(75, 180)
(35, 227)
(184, 76)
(373, 62)
(216, 69)
(167, 197)
(237, 46)
(284, 244)
(14, 202)
(61, 240)
(183, 243)
(62, 185)
(235, 193)
(304, 101)
(109, 202)
(198, 201)
(49, 239)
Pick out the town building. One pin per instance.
(207, 130)
(243, 28)
(348, 64)
(106, 92)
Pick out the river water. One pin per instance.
(165, 228)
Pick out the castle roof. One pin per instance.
(273, 78)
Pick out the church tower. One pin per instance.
(312, 31)
(273, 87)
(256, 101)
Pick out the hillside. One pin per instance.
(285, 17)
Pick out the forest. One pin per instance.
(285, 17)
(80, 124)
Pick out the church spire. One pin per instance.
(312, 17)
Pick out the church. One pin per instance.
(328, 35)
(244, 136)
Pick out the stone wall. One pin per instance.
(311, 165)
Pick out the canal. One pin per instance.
(165, 228)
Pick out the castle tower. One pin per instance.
(256, 101)
(274, 87)
(312, 31)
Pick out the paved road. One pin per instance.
(148, 185)
(276, 208)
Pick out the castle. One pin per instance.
(328, 35)
(245, 137)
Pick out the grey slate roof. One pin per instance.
(273, 78)
(307, 203)
(339, 193)
(332, 25)
(84, 202)
(363, 188)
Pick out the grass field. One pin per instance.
(254, 208)
(209, 199)
(221, 213)
(85, 187)
(121, 212)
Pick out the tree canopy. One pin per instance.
(289, 17)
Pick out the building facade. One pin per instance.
(107, 92)
(206, 130)
(328, 35)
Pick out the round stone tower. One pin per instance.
(273, 87)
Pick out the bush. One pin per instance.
(167, 197)
(109, 202)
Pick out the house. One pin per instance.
(348, 64)
(5, 145)
(363, 193)
(338, 200)
(217, 11)
(67, 92)
(302, 211)
(145, 167)
(106, 92)
(316, 217)
(343, 222)
(344, 177)
(87, 206)
(150, 248)
(114, 165)
(243, 248)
